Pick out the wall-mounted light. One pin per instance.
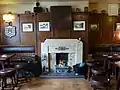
(8, 18)
(117, 35)
(10, 30)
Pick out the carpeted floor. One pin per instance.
(57, 84)
(60, 75)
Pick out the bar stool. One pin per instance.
(21, 75)
(5, 74)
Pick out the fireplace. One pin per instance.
(61, 52)
(62, 59)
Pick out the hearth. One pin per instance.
(61, 53)
(61, 59)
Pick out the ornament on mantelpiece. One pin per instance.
(118, 10)
(85, 9)
(27, 12)
(94, 11)
(103, 11)
(78, 10)
(79, 38)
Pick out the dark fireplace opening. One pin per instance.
(61, 59)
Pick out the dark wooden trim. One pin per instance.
(36, 34)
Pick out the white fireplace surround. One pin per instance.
(73, 47)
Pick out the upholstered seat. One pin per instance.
(98, 70)
(100, 82)
(20, 66)
(7, 72)
(23, 73)
(92, 63)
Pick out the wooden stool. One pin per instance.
(90, 65)
(7, 73)
(20, 70)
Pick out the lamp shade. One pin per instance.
(8, 17)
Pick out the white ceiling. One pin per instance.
(29, 1)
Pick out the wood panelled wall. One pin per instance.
(27, 38)
(36, 37)
(106, 32)
(13, 40)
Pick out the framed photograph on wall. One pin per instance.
(44, 26)
(94, 27)
(79, 25)
(117, 26)
(27, 27)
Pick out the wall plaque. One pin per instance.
(10, 31)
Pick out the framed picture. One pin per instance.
(27, 27)
(79, 25)
(94, 27)
(117, 26)
(44, 26)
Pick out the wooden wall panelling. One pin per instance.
(61, 33)
(61, 17)
(94, 36)
(27, 38)
(64, 33)
(15, 40)
(81, 34)
(112, 26)
(43, 17)
(42, 35)
(0, 30)
(107, 29)
(61, 21)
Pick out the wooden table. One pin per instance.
(118, 82)
(112, 64)
(4, 58)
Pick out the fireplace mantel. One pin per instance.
(73, 47)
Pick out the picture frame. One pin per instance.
(117, 26)
(94, 27)
(27, 27)
(44, 26)
(79, 25)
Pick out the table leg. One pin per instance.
(118, 84)
(3, 65)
